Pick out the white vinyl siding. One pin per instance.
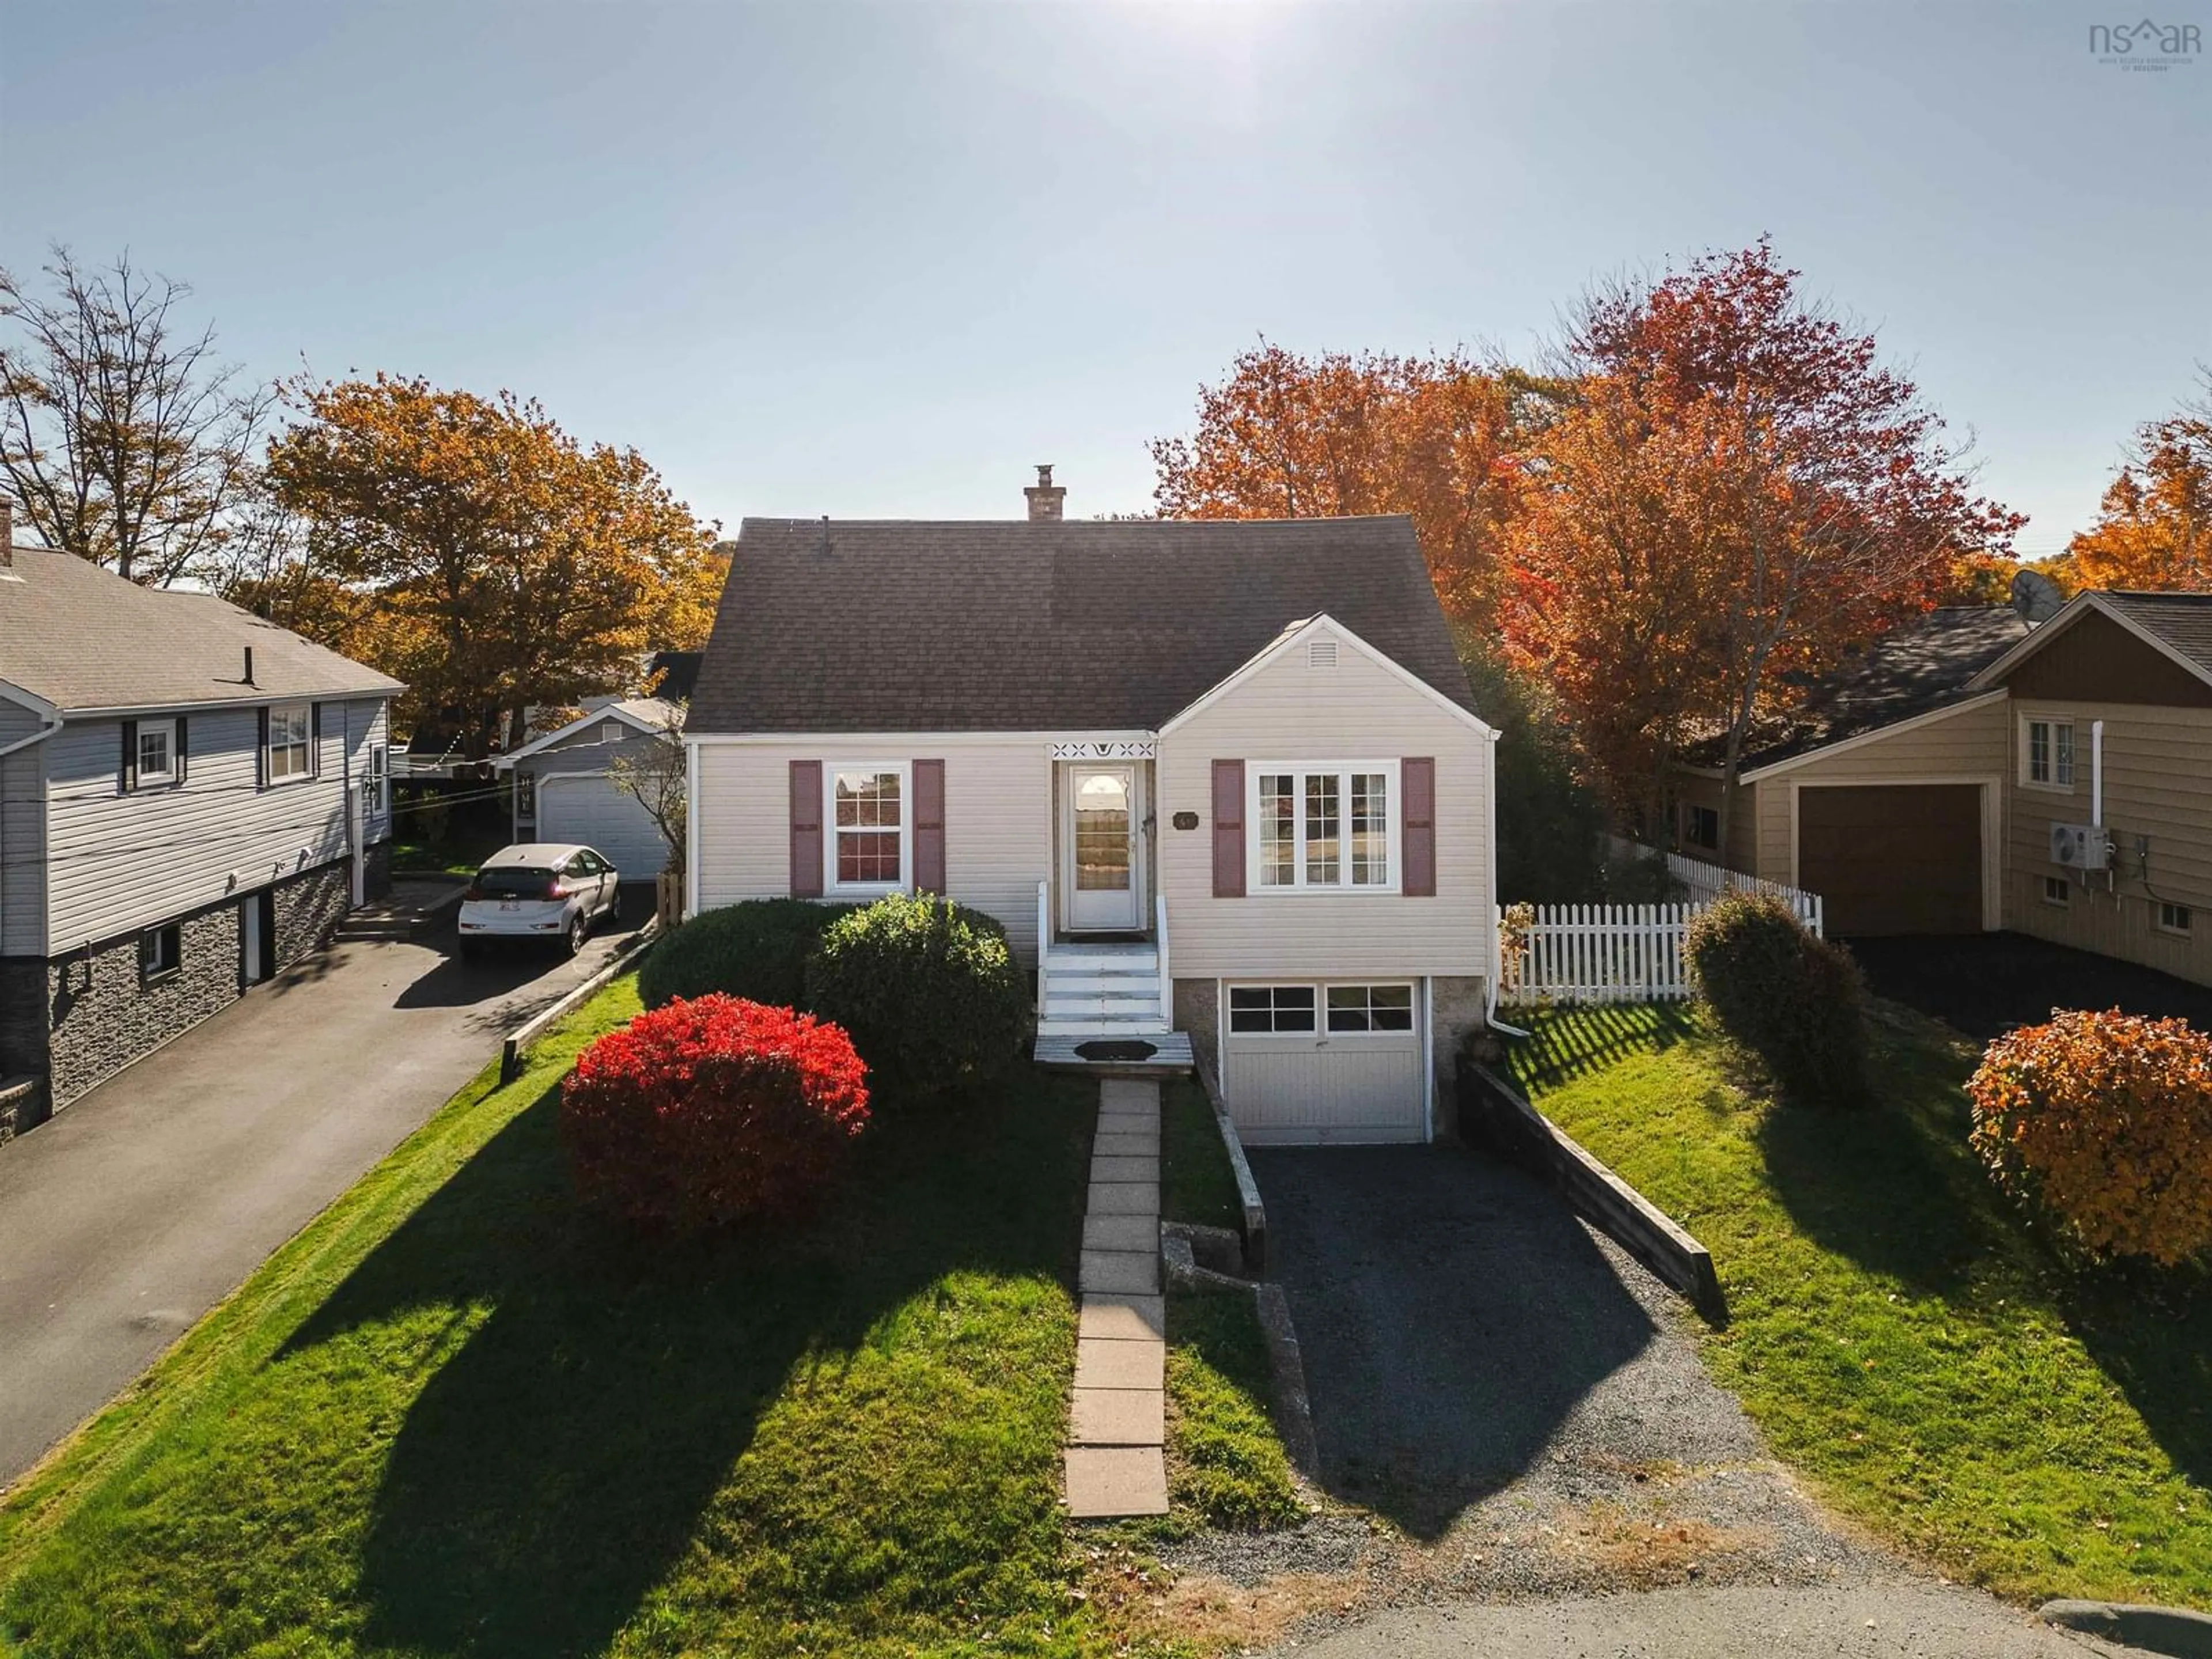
(23, 849)
(999, 810)
(1288, 716)
(118, 862)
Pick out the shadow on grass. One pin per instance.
(2151, 1332)
(1896, 1187)
(553, 1470)
(1564, 1044)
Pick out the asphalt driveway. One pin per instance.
(1985, 984)
(142, 1204)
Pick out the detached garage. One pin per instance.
(1893, 858)
(565, 790)
(1306, 1062)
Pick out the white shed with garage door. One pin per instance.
(587, 807)
(1325, 1062)
(565, 789)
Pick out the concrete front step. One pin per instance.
(1091, 1025)
(1109, 985)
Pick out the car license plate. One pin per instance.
(510, 904)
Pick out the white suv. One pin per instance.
(540, 890)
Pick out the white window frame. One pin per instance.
(2184, 930)
(1393, 815)
(2057, 891)
(380, 777)
(2052, 725)
(150, 972)
(166, 777)
(1320, 1031)
(833, 888)
(307, 744)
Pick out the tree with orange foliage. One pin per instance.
(2155, 526)
(470, 547)
(1333, 435)
(1742, 496)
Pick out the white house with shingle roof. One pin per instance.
(1223, 782)
(190, 798)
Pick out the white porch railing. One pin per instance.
(1705, 882)
(1160, 943)
(1044, 937)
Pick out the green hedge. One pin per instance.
(928, 989)
(1792, 999)
(757, 949)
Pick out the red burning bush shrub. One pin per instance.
(710, 1113)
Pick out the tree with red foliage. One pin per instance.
(1287, 437)
(711, 1113)
(1742, 496)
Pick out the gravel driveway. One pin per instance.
(1520, 1401)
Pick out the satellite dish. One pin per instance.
(2036, 597)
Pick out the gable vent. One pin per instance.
(1320, 653)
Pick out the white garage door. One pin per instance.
(593, 811)
(1305, 1063)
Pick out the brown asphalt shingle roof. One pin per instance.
(1918, 667)
(2183, 621)
(917, 626)
(82, 638)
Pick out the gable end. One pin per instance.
(2097, 659)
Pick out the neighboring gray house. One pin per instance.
(189, 798)
(564, 790)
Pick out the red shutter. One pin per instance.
(1229, 828)
(929, 826)
(806, 828)
(1418, 779)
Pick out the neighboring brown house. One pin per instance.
(1949, 782)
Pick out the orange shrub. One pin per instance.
(2102, 1123)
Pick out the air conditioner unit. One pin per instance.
(2081, 846)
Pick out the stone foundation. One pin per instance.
(1198, 1011)
(1457, 1008)
(105, 1014)
(308, 907)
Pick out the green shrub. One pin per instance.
(928, 989)
(756, 951)
(1794, 1000)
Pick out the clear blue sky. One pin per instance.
(812, 257)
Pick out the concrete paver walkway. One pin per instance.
(1116, 1465)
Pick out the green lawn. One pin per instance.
(455, 855)
(1226, 1465)
(1894, 1330)
(1198, 1186)
(455, 1416)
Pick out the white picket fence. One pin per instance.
(1705, 882)
(1581, 953)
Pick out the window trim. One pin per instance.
(379, 779)
(2054, 724)
(1393, 818)
(141, 779)
(148, 973)
(2062, 897)
(833, 888)
(1320, 1031)
(268, 746)
(1690, 810)
(2185, 930)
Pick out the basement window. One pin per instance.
(2057, 891)
(160, 953)
(2173, 918)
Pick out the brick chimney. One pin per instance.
(1045, 497)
